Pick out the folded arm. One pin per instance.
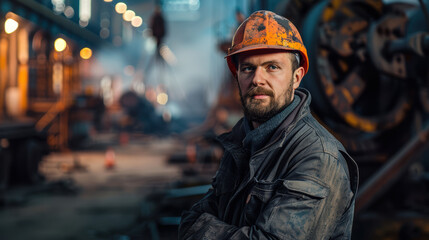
(311, 199)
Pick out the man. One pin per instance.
(282, 176)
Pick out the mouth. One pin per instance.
(260, 96)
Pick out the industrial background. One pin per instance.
(109, 110)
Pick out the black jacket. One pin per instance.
(301, 185)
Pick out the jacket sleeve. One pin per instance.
(308, 204)
(191, 220)
(207, 205)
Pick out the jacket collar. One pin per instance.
(258, 137)
(232, 141)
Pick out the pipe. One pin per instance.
(387, 175)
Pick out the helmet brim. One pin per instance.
(232, 64)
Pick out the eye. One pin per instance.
(246, 69)
(272, 67)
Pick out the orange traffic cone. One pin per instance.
(191, 153)
(109, 159)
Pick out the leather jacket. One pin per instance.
(301, 185)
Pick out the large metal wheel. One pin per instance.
(365, 107)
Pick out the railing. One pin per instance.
(54, 122)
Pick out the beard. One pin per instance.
(259, 110)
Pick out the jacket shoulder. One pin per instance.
(317, 137)
(312, 138)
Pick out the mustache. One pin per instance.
(259, 91)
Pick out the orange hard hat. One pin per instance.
(266, 30)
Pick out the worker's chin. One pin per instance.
(260, 112)
(258, 105)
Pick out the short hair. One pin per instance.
(296, 60)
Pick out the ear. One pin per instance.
(297, 77)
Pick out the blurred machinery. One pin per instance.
(39, 74)
(21, 150)
(368, 77)
(141, 116)
(369, 80)
(86, 115)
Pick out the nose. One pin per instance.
(258, 77)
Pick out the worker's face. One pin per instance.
(266, 83)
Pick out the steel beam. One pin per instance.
(387, 175)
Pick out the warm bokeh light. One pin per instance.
(83, 23)
(162, 98)
(136, 21)
(151, 95)
(128, 15)
(108, 0)
(57, 77)
(10, 25)
(168, 55)
(104, 33)
(85, 53)
(69, 12)
(166, 116)
(60, 44)
(120, 7)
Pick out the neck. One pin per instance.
(257, 124)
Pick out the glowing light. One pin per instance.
(162, 98)
(84, 10)
(120, 7)
(58, 6)
(108, 0)
(150, 95)
(182, 5)
(168, 55)
(194, 4)
(57, 78)
(10, 25)
(60, 44)
(104, 33)
(106, 90)
(83, 23)
(23, 49)
(139, 87)
(149, 42)
(85, 53)
(136, 21)
(128, 15)
(166, 116)
(69, 12)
